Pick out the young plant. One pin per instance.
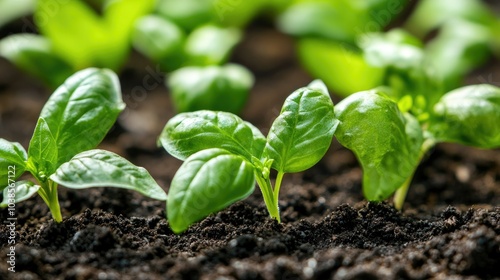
(390, 141)
(75, 119)
(220, 88)
(224, 155)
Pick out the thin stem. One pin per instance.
(276, 190)
(48, 192)
(400, 194)
(267, 193)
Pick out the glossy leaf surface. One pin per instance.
(99, 168)
(12, 161)
(81, 111)
(189, 133)
(21, 191)
(207, 181)
(43, 151)
(470, 116)
(303, 132)
(386, 142)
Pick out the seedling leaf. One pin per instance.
(20, 192)
(13, 159)
(469, 115)
(303, 132)
(386, 142)
(188, 133)
(207, 181)
(99, 168)
(42, 151)
(81, 111)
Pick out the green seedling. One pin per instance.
(390, 139)
(74, 120)
(160, 40)
(211, 45)
(224, 155)
(220, 88)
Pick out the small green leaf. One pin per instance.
(189, 133)
(188, 14)
(42, 152)
(13, 159)
(99, 168)
(160, 40)
(35, 55)
(386, 142)
(81, 111)
(303, 131)
(211, 45)
(218, 88)
(207, 182)
(469, 115)
(20, 191)
(13, 9)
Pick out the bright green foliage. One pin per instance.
(23, 49)
(210, 181)
(211, 45)
(97, 168)
(224, 155)
(75, 119)
(160, 40)
(221, 88)
(469, 116)
(11, 154)
(390, 143)
(386, 141)
(188, 133)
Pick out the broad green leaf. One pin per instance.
(431, 14)
(341, 68)
(42, 152)
(13, 159)
(219, 88)
(35, 55)
(160, 40)
(207, 182)
(20, 191)
(211, 45)
(469, 115)
(303, 132)
(81, 111)
(99, 168)
(189, 133)
(386, 142)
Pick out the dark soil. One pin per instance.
(450, 228)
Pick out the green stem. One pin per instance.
(267, 193)
(48, 192)
(400, 194)
(276, 190)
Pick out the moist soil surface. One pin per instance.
(449, 228)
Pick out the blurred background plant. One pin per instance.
(353, 45)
